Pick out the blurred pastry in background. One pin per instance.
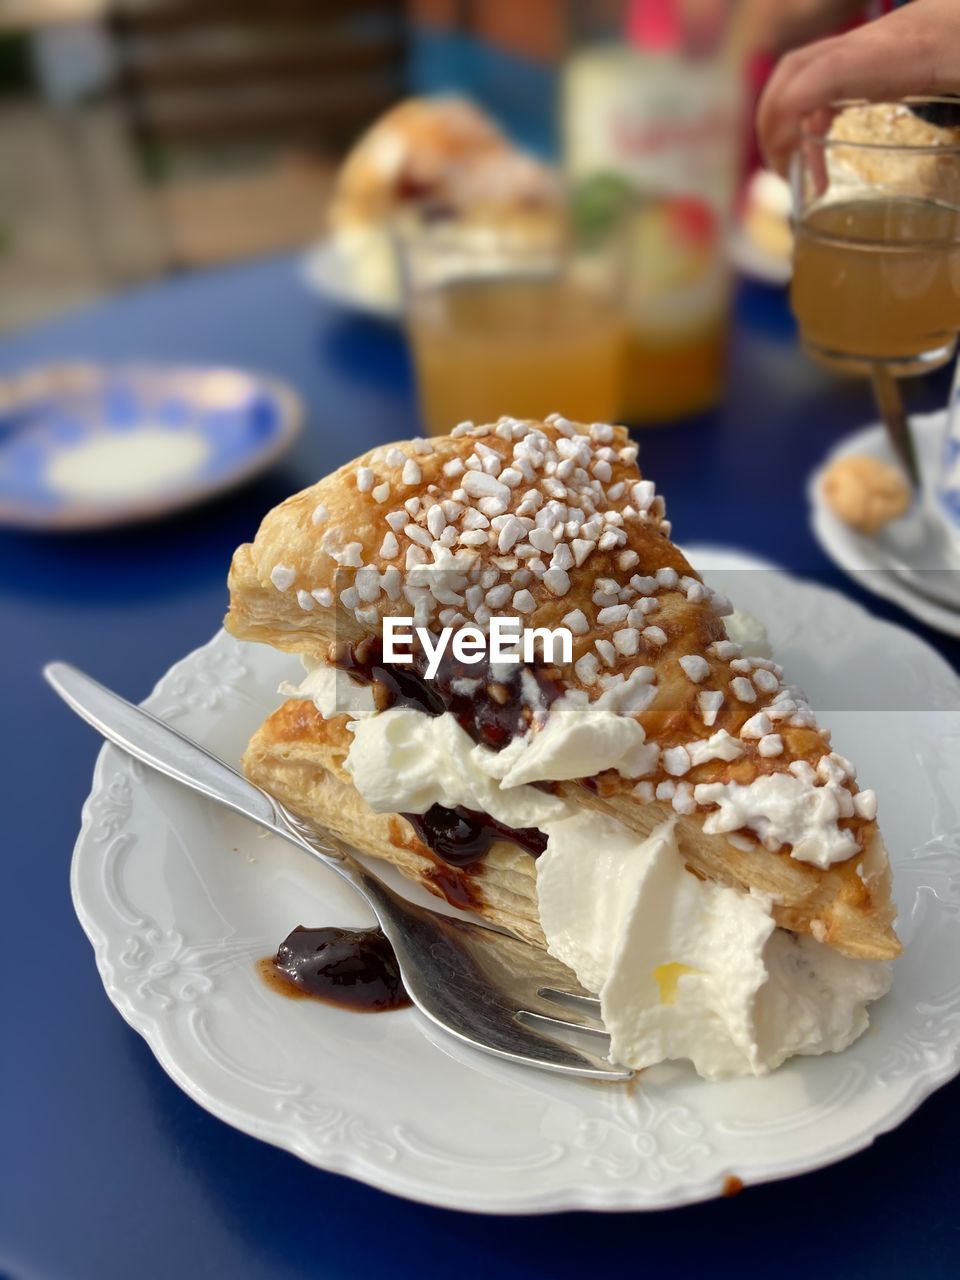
(892, 124)
(865, 493)
(766, 214)
(761, 241)
(883, 125)
(429, 161)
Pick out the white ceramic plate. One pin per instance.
(326, 271)
(180, 898)
(871, 561)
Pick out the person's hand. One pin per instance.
(915, 50)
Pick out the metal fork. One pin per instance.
(483, 985)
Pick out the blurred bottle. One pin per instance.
(652, 106)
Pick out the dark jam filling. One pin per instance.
(492, 712)
(351, 968)
(461, 836)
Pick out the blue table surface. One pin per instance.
(107, 1169)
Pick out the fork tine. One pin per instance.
(544, 1022)
(471, 980)
(533, 1046)
(572, 1014)
(589, 1043)
(589, 1004)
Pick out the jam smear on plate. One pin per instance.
(350, 968)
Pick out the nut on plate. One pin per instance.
(865, 492)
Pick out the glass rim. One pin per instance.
(902, 148)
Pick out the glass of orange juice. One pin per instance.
(506, 322)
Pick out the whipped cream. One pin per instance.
(332, 691)
(685, 969)
(749, 633)
(688, 969)
(404, 761)
(580, 738)
(406, 758)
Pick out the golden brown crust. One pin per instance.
(405, 528)
(319, 552)
(840, 906)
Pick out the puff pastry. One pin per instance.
(894, 148)
(444, 153)
(553, 520)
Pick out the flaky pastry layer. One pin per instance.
(298, 757)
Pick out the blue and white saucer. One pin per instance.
(84, 446)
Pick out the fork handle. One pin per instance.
(157, 744)
(329, 850)
(163, 748)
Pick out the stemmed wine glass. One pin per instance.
(876, 282)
